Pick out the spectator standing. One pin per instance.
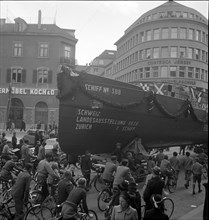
(150, 164)
(182, 149)
(154, 186)
(159, 157)
(175, 163)
(156, 212)
(12, 127)
(19, 146)
(118, 152)
(24, 149)
(135, 197)
(20, 191)
(22, 125)
(124, 210)
(14, 140)
(38, 126)
(197, 175)
(86, 166)
(7, 151)
(187, 164)
(41, 152)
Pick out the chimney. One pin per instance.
(39, 19)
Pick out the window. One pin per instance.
(197, 73)
(185, 14)
(140, 73)
(148, 53)
(178, 14)
(17, 75)
(164, 71)
(173, 52)
(142, 36)
(190, 72)
(182, 52)
(17, 49)
(67, 51)
(182, 34)
(148, 35)
(173, 71)
(148, 17)
(155, 71)
(182, 70)
(156, 34)
(202, 76)
(203, 37)
(155, 16)
(147, 72)
(191, 34)
(197, 54)
(156, 52)
(42, 76)
(190, 53)
(43, 49)
(165, 52)
(191, 16)
(164, 33)
(203, 55)
(198, 35)
(174, 32)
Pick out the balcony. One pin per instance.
(67, 61)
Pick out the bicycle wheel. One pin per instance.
(172, 184)
(103, 199)
(99, 184)
(38, 212)
(168, 207)
(94, 216)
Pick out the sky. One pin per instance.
(97, 24)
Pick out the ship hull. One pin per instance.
(95, 113)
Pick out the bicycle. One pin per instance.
(5, 210)
(104, 197)
(97, 180)
(171, 183)
(167, 207)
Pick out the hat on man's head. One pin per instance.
(132, 187)
(156, 170)
(113, 157)
(123, 186)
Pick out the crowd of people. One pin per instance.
(117, 172)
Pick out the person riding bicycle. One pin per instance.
(75, 198)
(156, 212)
(10, 165)
(20, 191)
(202, 157)
(109, 171)
(154, 186)
(122, 173)
(43, 171)
(166, 168)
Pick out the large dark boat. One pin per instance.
(96, 112)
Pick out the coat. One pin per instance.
(129, 214)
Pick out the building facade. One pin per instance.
(166, 50)
(29, 57)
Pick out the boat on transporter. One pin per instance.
(96, 112)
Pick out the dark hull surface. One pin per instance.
(95, 113)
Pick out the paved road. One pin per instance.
(183, 199)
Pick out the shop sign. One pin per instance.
(28, 91)
(169, 62)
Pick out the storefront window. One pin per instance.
(182, 70)
(164, 52)
(173, 52)
(165, 33)
(164, 71)
(156, 34)
(156, 52)
(190, 72)
(147, 72)
(174, 32)
(173, 70)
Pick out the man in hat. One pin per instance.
(154, 186)
(135, 198)
(156, 211)
(109, 171)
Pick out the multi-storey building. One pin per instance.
(166, 50)
(29, 57)
(100, 63)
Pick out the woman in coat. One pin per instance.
(124, 211)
